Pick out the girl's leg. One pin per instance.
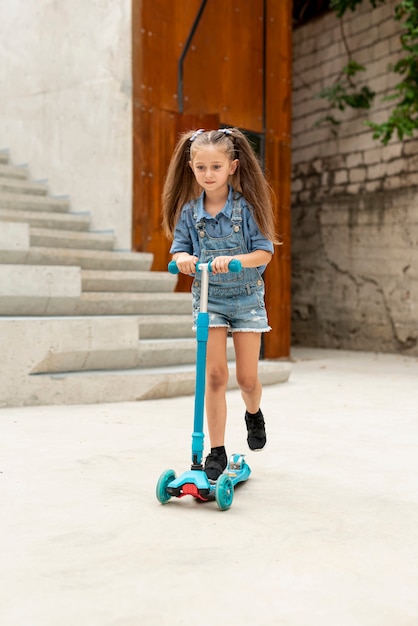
(216, 382)
(247, 352)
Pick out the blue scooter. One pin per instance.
(194, 482)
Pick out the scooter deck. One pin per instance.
(238, 469)
(196, 483)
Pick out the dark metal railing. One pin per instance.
(180, 95)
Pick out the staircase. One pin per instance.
(81, 322)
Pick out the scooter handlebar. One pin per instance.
(235, 265)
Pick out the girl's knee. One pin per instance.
(248, 384)
(217, 378)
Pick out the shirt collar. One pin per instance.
(227, 210)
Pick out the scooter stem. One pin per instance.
(203, 268)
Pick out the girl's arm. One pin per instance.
(251, 259)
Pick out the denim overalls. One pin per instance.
(236, 300)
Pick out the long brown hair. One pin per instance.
(180, 185)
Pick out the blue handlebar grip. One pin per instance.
(235, 265)
(172, 267)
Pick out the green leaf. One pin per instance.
(352, 68)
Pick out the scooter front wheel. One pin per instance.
(163, 482)
(224, 492)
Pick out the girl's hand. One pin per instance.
(186, 263)
(219, 265)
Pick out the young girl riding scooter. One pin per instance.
(217, 207)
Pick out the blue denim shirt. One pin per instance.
(186, 238)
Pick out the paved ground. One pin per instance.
(325, 532)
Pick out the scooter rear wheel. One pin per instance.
(161, 490)
(224, 492)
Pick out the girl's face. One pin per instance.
(212, 168)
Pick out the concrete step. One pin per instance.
(167, 352)
(99, 343)
(166, 326)
(132, 385)
(86, 259)
(49, 219)
(10, 185)
(34, 345)
(14, 171)
(101, 303)
(37, 282)
(39, 305)
(68, 304)
(14, 238)
(52, 360)
(53, 238)
(25, 202)
(127, 281)
(38, 290)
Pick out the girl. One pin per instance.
(231, 218)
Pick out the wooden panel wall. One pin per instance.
(278, 166)
(223, 83)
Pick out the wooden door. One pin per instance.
(235, 46)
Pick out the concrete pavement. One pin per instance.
(325, 532)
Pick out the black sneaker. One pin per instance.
(256, 430)
(215, 464)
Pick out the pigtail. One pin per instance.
(180, 185)
(250, 181)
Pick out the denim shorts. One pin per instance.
(239, 309)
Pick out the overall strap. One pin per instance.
(200, 225)
(236, 217)
(194, 205)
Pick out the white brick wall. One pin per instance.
(355, 202)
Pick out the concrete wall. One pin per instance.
(355, 202)
(65, 104)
